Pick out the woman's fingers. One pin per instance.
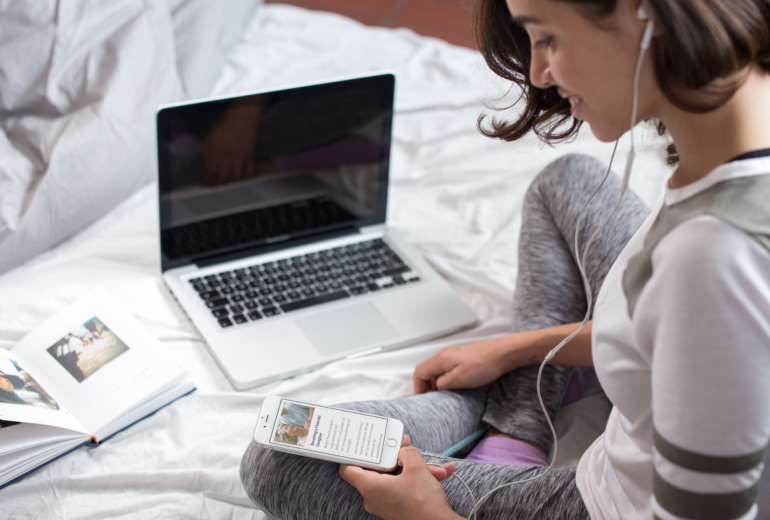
(406, 440)
(450, 380)
(442, 472)
(410, 458)
(426, 372)
(359, 478)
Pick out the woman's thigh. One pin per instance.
(290, 487)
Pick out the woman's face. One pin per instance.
(590, 63)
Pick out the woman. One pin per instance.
(681, 331)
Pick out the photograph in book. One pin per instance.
(87, 348)
(18, 387)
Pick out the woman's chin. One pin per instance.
(606, 134)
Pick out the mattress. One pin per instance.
(454, 194)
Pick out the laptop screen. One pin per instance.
(250, 174)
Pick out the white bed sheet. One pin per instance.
(454, 194)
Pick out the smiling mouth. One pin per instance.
(575, 102)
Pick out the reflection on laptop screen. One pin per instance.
(241, 174)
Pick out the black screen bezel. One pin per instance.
(165, 116)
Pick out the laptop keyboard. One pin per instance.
(265, 290)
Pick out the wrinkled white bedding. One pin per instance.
(454, 194)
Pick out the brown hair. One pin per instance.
(700, 46)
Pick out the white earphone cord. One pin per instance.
(580, 259)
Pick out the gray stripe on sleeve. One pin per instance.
(703, 506)
(707, 463)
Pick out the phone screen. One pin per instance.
(335, 432)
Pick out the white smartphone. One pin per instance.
(332, 434)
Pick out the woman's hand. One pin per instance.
(477, 364)
(468, 366)
(414, 492)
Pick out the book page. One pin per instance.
(24, 400)
(98, 360)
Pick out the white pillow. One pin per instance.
(204, 31)
(80, 82)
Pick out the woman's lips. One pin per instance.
(575, 103)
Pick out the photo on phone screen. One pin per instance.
(327, 430)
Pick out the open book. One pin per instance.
(85, 374)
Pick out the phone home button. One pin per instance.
(392, 442)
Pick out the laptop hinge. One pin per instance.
(372, 229)
(267, 248)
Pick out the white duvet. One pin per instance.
(454, 194)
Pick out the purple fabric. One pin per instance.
(506, 451)
(574, 389)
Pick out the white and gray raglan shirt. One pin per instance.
(689, 374)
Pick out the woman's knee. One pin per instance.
(257, 465)
(567, 170)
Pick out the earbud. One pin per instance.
(644, 15)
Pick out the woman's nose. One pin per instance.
(540, 72)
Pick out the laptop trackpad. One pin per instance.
(340, 330)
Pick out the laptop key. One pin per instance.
(316, 300)
(220, 313)
(250, 294)
(235, 309)
(255, 315)
(321, 289)
(209, 295)
(236, 298)
(265, 301)
(396, 270)
(308, 291)
(270, 311)
(213, 304)
(227, 290)
(250, 305)
(239, 319)
(225, 322)
(278, 298)
(293, 295)
(194, 280)
(398, 280)
(373, 287)
(357, 290)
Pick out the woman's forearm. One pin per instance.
(531, 347)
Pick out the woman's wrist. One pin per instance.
(521, 349)
(531, 347)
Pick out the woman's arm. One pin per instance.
(477, 364)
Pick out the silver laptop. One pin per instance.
(273, 235)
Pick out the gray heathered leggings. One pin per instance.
(549, 292)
